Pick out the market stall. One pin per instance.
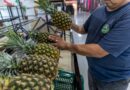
(60, 68)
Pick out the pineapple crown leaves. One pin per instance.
(17, 42)
(9, 65)
(32, 33)
(7, 61)
(46, 6)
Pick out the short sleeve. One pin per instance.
(86, 24)
(118, 39)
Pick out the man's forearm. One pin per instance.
(90, 50)
(78, 29)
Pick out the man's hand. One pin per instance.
(89, 50)
(78, 29)
(59, 42)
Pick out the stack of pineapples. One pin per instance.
(37, 67)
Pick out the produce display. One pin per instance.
(39, 73)
(31, 47)
(34, 63)
(60, 19)
(34, 69)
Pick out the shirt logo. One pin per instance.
(105, 29)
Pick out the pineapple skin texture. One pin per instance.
(39, 64)
(61, 20)
(4, 82)
(29, 82)
(41, 37)
(45, 49)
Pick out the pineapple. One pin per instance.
(40, 37)
(41, 58)
(46, 49)
(8, 65)
(8, 68)
(30, 47)
(31, 64)
(39, 64)
(29, 82)
(60, 19)
(4, 82)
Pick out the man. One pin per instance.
(107, 46)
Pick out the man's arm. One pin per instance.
(78, 29)
(90, 50)
(82, 29)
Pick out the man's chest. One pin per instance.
(98, 28)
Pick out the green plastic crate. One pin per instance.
(65, 81)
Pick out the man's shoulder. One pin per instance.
(98, 10)
(101, 8)
(124, 12)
